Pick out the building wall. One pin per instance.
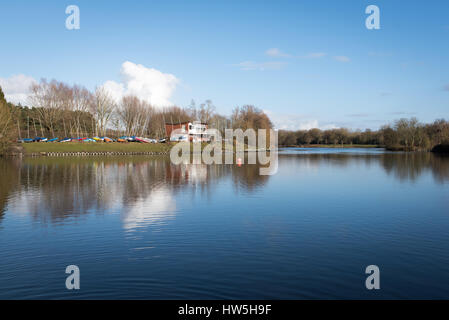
(170, 127)
(198, 129)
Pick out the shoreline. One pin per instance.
(87, 154)
(77, 149)
(439, 149)
(92, 150)
(119, 149)
(330, 146)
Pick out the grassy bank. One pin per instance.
(73, 147)
(31, 148)
(70, 147)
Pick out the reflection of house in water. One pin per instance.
(187, 174)
(143, 190)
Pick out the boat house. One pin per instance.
(187, 131)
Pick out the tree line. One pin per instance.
(56, 109)
(6, 119)
(403, 134)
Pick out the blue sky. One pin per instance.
(324, 68)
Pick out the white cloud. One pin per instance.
(307, 125)
(17, 88)
(148, 84)
(296, 122)
(116, 90)
(358, 115)
(379, 54)
(261, 66)
(275, 52)
(342, 58)
(314, 55)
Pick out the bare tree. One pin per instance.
(249, 116)
(133, 114)
(50, 99)
(82, 100)
(102, 108)
(206, 111)
(407, 131)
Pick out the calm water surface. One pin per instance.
(140, 227)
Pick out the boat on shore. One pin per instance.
(39, 139)
(122, 139)
(144, 140)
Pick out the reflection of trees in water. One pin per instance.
(140, 188)
(404, 166)
(143, 189)
(247, 177)
(340, 160)
(410, 166)
(440, 167)
(8, 182)
(55, 190)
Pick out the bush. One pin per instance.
(5, 124)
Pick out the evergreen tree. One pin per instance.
(2, 98)
(5, 123)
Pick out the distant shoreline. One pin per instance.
(333, 146)
(440, 149)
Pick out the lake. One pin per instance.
(143, 228)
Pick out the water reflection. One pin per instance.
(407, 167)
(403, 166)
(143, 190)
(8, 183)
(153, 209)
